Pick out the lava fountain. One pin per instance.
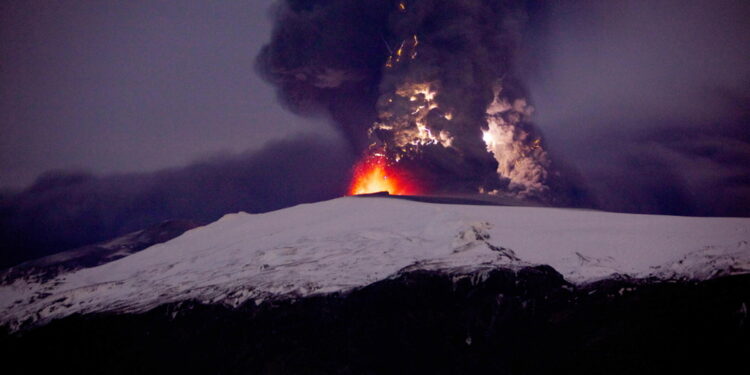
(374, 174)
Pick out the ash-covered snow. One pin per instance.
(350, 242)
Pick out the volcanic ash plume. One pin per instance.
(423, 87)
(519, 154)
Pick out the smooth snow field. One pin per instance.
(351, 242)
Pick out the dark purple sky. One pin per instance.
(648, 100)
(116, 86)
(609, 66)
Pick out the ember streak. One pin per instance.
(425, 87)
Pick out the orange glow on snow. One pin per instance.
(373, 174)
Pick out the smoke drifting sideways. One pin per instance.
(429, 84)
(650, 100)
(62, 210)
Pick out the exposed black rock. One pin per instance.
(528, 321)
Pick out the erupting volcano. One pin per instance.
(374, 174)
(416, 92)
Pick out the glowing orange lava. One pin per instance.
(373, 174)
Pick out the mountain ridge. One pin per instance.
(348, 243)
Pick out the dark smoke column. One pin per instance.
(427, 83)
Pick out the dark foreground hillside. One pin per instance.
(525, 322)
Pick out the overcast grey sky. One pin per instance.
(116, 86)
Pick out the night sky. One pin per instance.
(125, 86)
(117, 115)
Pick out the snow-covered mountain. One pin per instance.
(379, 285)
(348, 243)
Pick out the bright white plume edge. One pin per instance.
(520, 159)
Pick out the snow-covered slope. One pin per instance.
(351, 242)
(42, 269)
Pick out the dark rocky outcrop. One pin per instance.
(528, 321)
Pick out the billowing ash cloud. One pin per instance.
(67, 210)
(428, 83)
